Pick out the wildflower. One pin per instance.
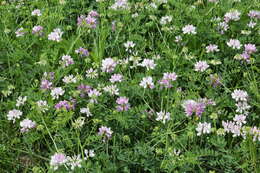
(165, 19)
(153, 5)
(78, 123)
(231, 127)
(256, 133)
(250, 48)
(178, 39)
(42, 105)
(91, 20)
(147, 82)
(116, 78)
(21, 100)
(191, 106)
(69, 79)
(14, 114)
(84, 89)
(56, 92)
(163, 116)
(242, 107)
(37, 30)
(58, 159)
(244, 56)
(129, 45)
(232, 15)
(55, 35)
(123, 104)
(212, 48)
(203, 128)
(49, 75)
(170, 76)
(86, 111)
(120, 5)
(167, 78)
(234, 44)
(93, 13)
(82, 52)
(135, 60)
(254, 14)
(239, 95)
(201, 66)
(45, 84)
(111, 89)
(222, 27)
(148, 63)
(189, 29)
(64, 105)
(91, 73)
(89, 153)
(20, 32)
(36, 12)
(240, 119)
(251, 24)
(74, 161)
(26, 125)
(66, 60)
(105, 132)
(108, 65)
(93, 94)
(214, 80)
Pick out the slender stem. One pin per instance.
(50, 135)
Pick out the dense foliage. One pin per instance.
(129, 86)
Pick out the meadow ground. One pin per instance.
(138, 86)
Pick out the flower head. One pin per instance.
(57, 92)
(58, 159)
(147, 82)
(163, 116)
(191, 106)
(36, 12)
(14, 114)
(203, 128)
(82, 52)
(20, 32)
(212, 48)
(234, 44)
(189, 29)
(108, 65)
(239, 95)
(116, 78)
(201, 66)
(55, 35)
(27, 124)
(106, 132)
(123, 104)
(37, 30)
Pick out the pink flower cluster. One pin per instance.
(167, 79)
(236, 126)
(26, 125)
(105, 132)
(123, 104)
(84, 89)
(82, 52)
(197, 107)
(108, 65)
(64, 105)
(249, 49)
(90, 20)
